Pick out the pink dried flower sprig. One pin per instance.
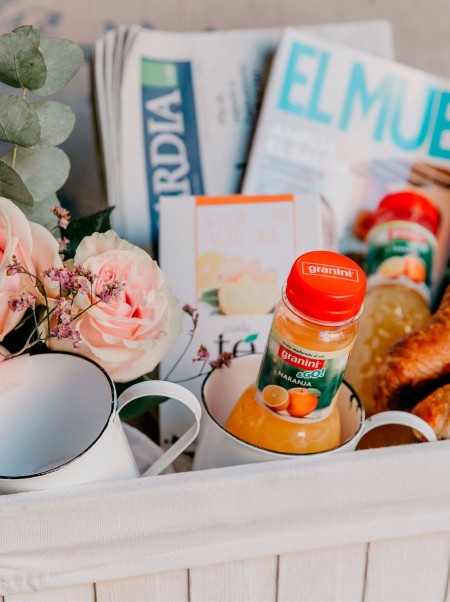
(14, 267)
(59, 314)
(223, 360)
(193, 313)
(21, 302)
(202, 354)
(63, 216)
(71, 282)
(63, 243)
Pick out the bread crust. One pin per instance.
(435, 410)
(417, 364)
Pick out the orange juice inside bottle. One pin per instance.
(292, 406)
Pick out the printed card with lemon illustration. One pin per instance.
(233, 286)
(241, 255)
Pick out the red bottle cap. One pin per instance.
(326, 286)
(411, 206)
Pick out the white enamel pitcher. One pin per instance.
(61, 426)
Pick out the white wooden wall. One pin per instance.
(414, 569)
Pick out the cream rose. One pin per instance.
(33, 246)
(130, 334)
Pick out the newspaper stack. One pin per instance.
(177, 110)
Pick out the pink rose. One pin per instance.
(33, 246)
(130, 334)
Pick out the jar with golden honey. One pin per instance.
(399, 267)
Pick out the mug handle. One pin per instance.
(174, 391)
(397, 417)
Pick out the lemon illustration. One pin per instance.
(268, 295)
(247, 296)
(238, 298)
(209, 265)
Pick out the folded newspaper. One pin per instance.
(176, 111)
(353, 127)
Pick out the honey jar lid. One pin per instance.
(408, 205)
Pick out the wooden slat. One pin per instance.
(447, 594)
(162, 587)
(243, 581)
(335, 574)
(75, 593)
(409, 569)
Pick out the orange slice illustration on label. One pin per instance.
(392, 267)
(276, 398)
(302, 402)
(415, 268)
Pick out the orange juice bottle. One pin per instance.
(292, 406)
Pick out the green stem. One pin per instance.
(14, 156)
(29, 343)
(85, 310)
(15, 147)
(186, 380)
(191, 336)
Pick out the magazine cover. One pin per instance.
(176, 111)
(231, 258)
(353, 127)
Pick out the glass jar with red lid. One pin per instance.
(402, 241)
(401, 250)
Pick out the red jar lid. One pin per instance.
(408, 205)
(326, 286)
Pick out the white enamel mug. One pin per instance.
(222, 388)
(61, 426)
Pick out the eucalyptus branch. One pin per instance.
(15, 146)
(32, 63)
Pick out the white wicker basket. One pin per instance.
(372, 525)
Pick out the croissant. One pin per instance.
(416, 365)
(435, 409)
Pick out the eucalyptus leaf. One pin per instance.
(43, 170)
(21, 62)
(41, 212)
(29, 32)
(56, 122)
(63, 59)
(19, 123)
(85, 226)
(13, 187)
